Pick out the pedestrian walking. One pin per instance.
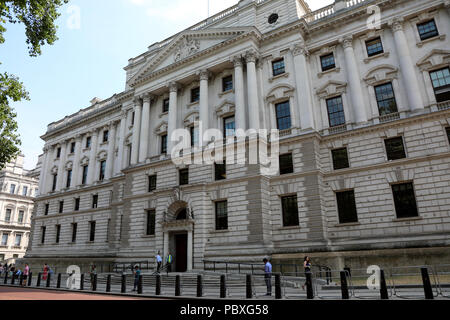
(92, 274)
(45, 274)
(158, 261)
(26, 272)
(137, 273)
(169, 260)
(307, 266)
(268, 276)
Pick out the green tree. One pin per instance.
(38, 17)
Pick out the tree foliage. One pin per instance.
(38, 17)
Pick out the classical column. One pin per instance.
(43, 173)
(172, 125)
(136, 131)
(252, 90)
(76, 163)
(111, 148)
(48, 168)
(354, 81)
(166, 244)
(61, 171)
(204, 104)
(407, 66)
(145, 127)
(120, 157)
(240, 119)
(304, 97)
(92, 157)
(189, 250)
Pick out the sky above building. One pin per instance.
(96, 39)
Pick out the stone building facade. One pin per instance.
(362, 106)
(18, 188)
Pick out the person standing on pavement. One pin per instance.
(169, 262)
(158, 261)
(307, 267)
(26, 272)
(268, 276)
(137, 273)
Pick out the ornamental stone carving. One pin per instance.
(300, 49)
(347, 42)
(186, 48)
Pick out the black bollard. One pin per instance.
(329, 280)
(38, 284)
(177, 286)
(223, 287)
(158, 285)
(383, 288)
(6, 278)
(30, 279)
(48, 280)
(94, 283)
(13, 279)
(20, 279)
(277, 286)
(108, 283)
(427, 284)
(344, 286)
(309, 286)
(58, 281)
(199, 286)
(248, 282)
(140, 285)
(82, 281)
(123, 289)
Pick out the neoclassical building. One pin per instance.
(360, 93)
(18, 188)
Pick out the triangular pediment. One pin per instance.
(435, 58)
(187, 45)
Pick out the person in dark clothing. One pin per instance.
(268, 276)
(307, 267)
(137, 273)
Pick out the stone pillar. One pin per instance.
(76, 163)
(111, 148)
(204, 105)
(145, 128)
(43, 174)
(62, 162)
(172, 125)
(92, 157)
(354, 80)
(252, 90)
(189, 250)
(407, 67)
(48, 168)
(304, 97)
(240, 117)
(136, 131)
(166, 244)
(120, 157)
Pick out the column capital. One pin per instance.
(173, 86)
(137, 101)
(146, 97)
(396, 24)
(251, 56)
(347, 41)
(237, 61)
(299, 49)
(204, 74)
(79, 136)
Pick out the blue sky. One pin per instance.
(88, 59)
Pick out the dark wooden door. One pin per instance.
(181, 252)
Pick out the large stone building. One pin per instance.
(362, 106)
(18, 188)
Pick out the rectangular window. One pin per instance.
(102, 170)
(283, 113)
(385, 99)
(18, 240)
(58, 153)
(151, 222)
(92, 231)
(286, 164)
(61, 206)
(25, 191)
(69, 178)
(88, 142)
(327, 62)
(108, 226)
(405, 200)
(229, 126)
(77, 204)
(105, 136)
(165, 107)
(8, 215)
(195, 95)
(335, 110)
(227, 83)
(194, 136)
(55, 178)
(152, 180)
(47, 208)
(72, 147)
(220, 171)
(74, 232)
(12, 189)
(130, 152)
(278, 67)
(164, 144)
(58, 232)
(222, 215)
(21, 216)
(441, 84)
(346, 207)
(43, 229)
(340, 158)
(184, 177)
(5, 239)
(290, 211)
(85, 174)
(448, 133)
(94, 201)
(427, 30)
(395, 149)
(374, 47)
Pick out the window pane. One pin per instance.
(290, 211)
(166, 105)
(346, 207)
(427, 30)
(220, 170)
(92, 231)
(327, 62)
(395, 149)
(448, 133)
(195, 94)
(152, 183)
(336, 114)
(151, 219)
(386, 99)
(286, 164)
(164, 144)
(278, 67)
(283, 113)
(374, 47)
(221, 215)
(229, 126)
(340, 159)
(184, 177)
(227, 83)
(405, 200)
(74, 232)
(8, 215)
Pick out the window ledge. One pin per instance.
(189, 105)
(350, 224)
(221, 94)
(148, 236)
(440, 37)
(380, 55)
(86, 149)
(219, 231)
(407, 219)
(104, 143)
(283, 75)
(289, 228)
(321, 74)
(90, 242)
(163, 114)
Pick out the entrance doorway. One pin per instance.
(181, 252)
